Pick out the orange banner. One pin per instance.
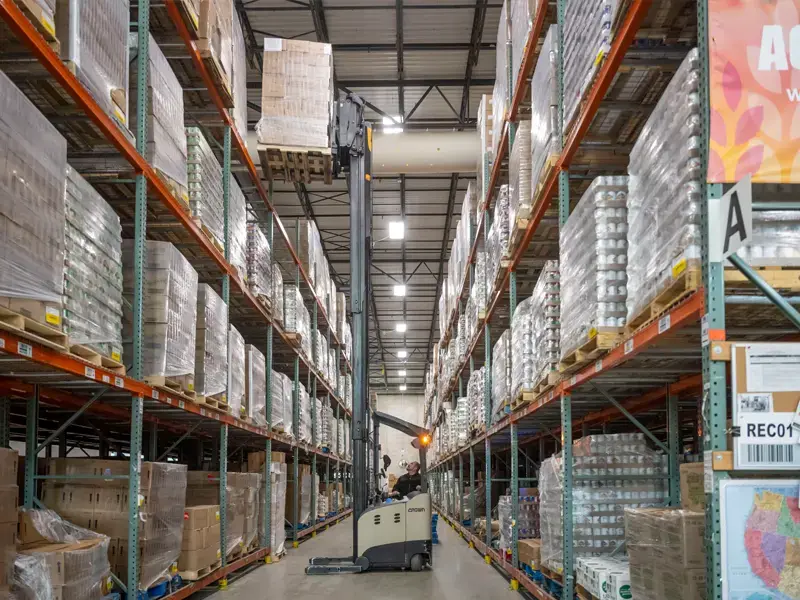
(755, 90)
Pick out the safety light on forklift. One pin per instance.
(425, 439)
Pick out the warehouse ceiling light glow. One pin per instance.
(392, 125)
(402, 353)
(399, 290)
(403, 387)
(400, 327)
(401, 373)
(397, 230)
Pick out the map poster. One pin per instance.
(760, 525)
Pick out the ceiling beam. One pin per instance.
(451, 200)
(376, 83)
(360, 7)
(417, 47)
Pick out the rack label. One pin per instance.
(598, 366)
(2, 343)
(704, 332)
(155, 394)
(25, 349)
(119, 382)
(89, 372)
(180, 404)
(629, 346)
(664, 323)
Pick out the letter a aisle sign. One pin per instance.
(730, 221)
(754, 90)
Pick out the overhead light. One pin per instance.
(392, 125)
(399, 290)
(397, 230)
(403, 387)
(402, 353)
(401, 373)
(400, 327)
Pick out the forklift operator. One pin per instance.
(409, 482)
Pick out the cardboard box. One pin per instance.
(194, 560)
(529, 552)
(693, 496)
(26, 532)
(199, 517)
(9, 465)
(54, 556)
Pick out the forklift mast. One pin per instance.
(353, 139)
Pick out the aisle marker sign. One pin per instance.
(730, 220)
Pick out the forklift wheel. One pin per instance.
(417, 563)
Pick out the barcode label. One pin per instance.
(769, 453)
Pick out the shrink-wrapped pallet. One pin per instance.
(259, 263)
(667, 190)
(296, 319)
(500, 92)
(593, 261)
(519, 178)
(236, 372)
(89, 33)
(166, 138)
(169, 311)
(476, 397)
(775, 240)
(215, 36)
(501, 372)
(282, 393)
(545, 322)
(211, 344)
(278, 473)
(497, 240)
(33, 162)
(92, 270)
(588, 26)
(277, 294)
(486, 155)
(522, 348)
(296, 94)
(600, 490)
(522, 15)
(237, 223)
(544, 109)
(255, 381)
(239, 69)
(305, 407)
(205, 185)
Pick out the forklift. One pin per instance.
(396, 534)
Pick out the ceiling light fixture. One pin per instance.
(403, 387)
(402, 353)
(400, 327)
(399, 290)
(397, 230)
(401, 373)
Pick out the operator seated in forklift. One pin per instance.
(408, 483)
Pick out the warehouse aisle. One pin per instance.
(458, 574)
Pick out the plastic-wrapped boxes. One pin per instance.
(475, 397)
(593, 261)
(105, 503)
(296, 94)
(600, 491)
(205, 185)
(236, 372)
(587, 38)
(522, 349)
(296, 319)
(200, 546)
(501, 84)
(485, 129)
(211, 345)
(497, 239)
(667, 553)
(606, 577)
(527, 517)
(305, 407)
(277, 294)
(462, 421)
(202, 488)
(545, 323)
(92, 270)
(259, 263)
(522, 15)
(775, 240)
(278, 475)
(169, 312)
(519, 176)
(237, 223)
(215, 36)
(166, 141)
(304, 504)
(667, 189)
(252, 486)
(544, 109)
(239, 68)
(282, 392)
(255, 384)
(501, 372)
(90, 34)
(33, 160)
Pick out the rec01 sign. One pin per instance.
(730, 221)
(754, 90)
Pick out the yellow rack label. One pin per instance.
(48, 24)
(593, 333)
(116, 356)
(52, 316)
(679, 267)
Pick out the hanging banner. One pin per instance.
(755, 90)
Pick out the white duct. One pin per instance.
(415, 152)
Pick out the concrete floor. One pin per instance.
(458, 574)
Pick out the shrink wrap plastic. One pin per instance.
(211, 349)
(775, 240)
(277, 294)
(593, 260)
(544, 107)
(237, 223)
(522, 348)
(259, 262)
(519, 175)
(522, 15)
(205, 184)
(462, 421)
(500, 92)
(475, 395)
(497, 240)
(501, 373)
(256, 385)
(545, 322)
(239, 78)
(236, 382)
(485, 130)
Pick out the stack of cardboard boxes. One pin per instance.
(200, 547)
(667, 553)
(9, 493)
(203, 489)
(101, 505)
(296, 94)
(529, 553)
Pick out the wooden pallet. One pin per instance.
(549, 165)
(294, 338)
(598, 344)
(548, 381)
(180, 192)
(215, 402)
(100, 360)
(688, 281)
(173, 386)
(33, 330)
(222, 81)
(42, 21)
(199, 574)
(780, 278)
(209, 234)
(550, 574)
(160, 19)
(517, 233)
(296, 164)
(583, 593)
(523, 397)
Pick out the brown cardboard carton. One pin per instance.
(9, 465)
(693, 496)
(529, 552)
(111, 499)
(196, 517)
(194, 560)
(194, 539)
(26, 532)
(54, 556)
(213, 536)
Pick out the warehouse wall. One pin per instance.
(398, 445)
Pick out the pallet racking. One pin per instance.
(666, 377)
(47, 381)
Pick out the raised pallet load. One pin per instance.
(41, 13)
(252, 486)
(522, 15)
(200, 544)
(277, 294)
(166, 138)
(544, 112)
(255, 385)
(236, 373)
(169, 311)
(202, 488)
(486, 156)
(546, 328)
(519, 183)
(304, 411)
(664, 203)
(282, 392)
(92, 276)
(237, 224)
(497, 241)
(462, 421)
(593, 283)
(501, 373)
(92, 34)
(205, 187)
(259, 265)
(211, 348)
(215, 45)
(475, 397)
(297, 104)
(296, 319)
(33, 162)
